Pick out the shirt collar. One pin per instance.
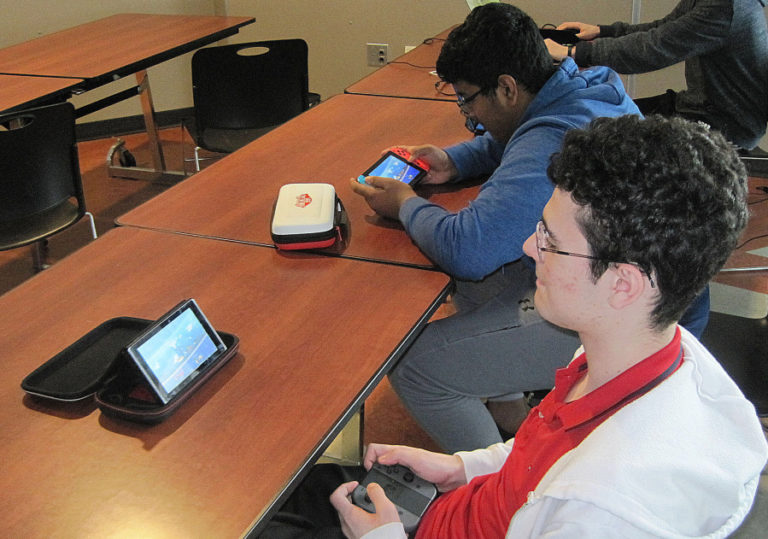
(625, 387)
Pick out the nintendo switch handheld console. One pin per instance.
(566, 36)
(409, 492)
(397, 164)
(176, 349)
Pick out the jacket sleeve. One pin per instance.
(477, 157)
(641, 48)
(393, 530)
(489, 232)
(484, 461)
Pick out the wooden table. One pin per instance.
(108, 49)
(317, 333)
(412, 75)
(331, 143)
(18, 91)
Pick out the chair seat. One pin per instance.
(32, 228)
(229, 140)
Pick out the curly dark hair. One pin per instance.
(496, 39)
(666, 194)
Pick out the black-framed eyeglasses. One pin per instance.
(464, 102)
(542, 245)
(461, 101)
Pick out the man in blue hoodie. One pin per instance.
(466, 373)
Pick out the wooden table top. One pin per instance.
(411, 75)
(330, 143)
(18, 91)
(311, 348)
(115, 46)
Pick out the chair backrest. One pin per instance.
(39, 167)
(250, 85)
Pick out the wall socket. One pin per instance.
(377, 53)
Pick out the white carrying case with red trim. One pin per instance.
(306, 216)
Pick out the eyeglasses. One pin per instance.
(461, 101)
(542, 239)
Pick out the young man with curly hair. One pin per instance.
(644, 434)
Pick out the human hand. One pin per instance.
(557, 51)
(356, 522)
(383, 195)
(585, 31)
(445, 471)
(441, 168)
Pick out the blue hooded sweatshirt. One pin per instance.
(491, 230)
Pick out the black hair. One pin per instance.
(666, 194)
(496, 39)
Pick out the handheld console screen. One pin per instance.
(176, 349)
(396, 166)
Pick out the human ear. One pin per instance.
(508, 88)
(627, 285)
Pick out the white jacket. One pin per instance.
(684, 460)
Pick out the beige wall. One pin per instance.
(336, 31)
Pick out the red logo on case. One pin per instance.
(302, 201)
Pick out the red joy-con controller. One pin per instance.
(405, 154)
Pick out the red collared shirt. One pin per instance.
(484, 507)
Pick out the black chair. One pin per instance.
(741, 346)
(242, 91)
(42, 192)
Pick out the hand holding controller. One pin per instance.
(410, 493)
(405, 154)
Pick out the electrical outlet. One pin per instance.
(377, 53)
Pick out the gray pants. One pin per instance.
(495, 347)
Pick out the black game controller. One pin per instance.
(409, 492)
(563, 37)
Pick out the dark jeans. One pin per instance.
(666, 105)
(308, 513)
(696, 316)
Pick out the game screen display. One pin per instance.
(392, 166)
(173, 351)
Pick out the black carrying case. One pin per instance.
(97, 366)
